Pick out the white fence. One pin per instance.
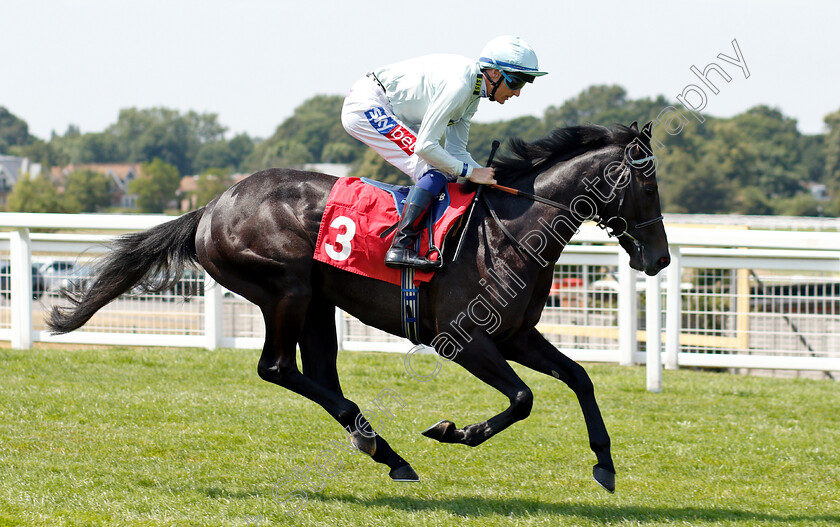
(732, 298)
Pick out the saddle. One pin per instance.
(358, 224)
(359, 211)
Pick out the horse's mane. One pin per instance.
(559, 145)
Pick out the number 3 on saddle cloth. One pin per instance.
(359, 210)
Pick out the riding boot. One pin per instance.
(402, 253)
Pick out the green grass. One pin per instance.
(192, 437)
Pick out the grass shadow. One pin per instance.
(481, 506)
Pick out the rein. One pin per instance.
(608, 225)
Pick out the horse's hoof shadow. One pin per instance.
(442, 431)
(604, 477)
(404, 473)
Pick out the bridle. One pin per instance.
(623, 230)
(615, 226)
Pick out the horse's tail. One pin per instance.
(155, 259)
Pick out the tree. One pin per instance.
(215, 154)
(592, 105)
(166, 134)
(97, 148)
(39, 151)
(799, 205)
(604, 105)
(167, 141)
(337, 152)
(373, 166)
(285, 154)
(35, 195)
(315, 124)
(752, 200)
(832, 152)
(211, 184)
(156, 187)
(13, 131)
(241, 146)
(87, 191)
(482, 135)
(759, 148)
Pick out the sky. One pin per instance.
(253, 62)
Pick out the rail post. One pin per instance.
(653, 330)
(213, 319)
(20, 249)
(673, 310)
(627, 310)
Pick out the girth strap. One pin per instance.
(410, 306)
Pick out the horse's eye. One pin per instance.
(650, 190)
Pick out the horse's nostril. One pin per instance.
(664, 261)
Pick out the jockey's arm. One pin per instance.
(436, 123)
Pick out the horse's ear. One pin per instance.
(647, 131)
(634, 126)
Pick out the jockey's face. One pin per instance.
(503, 92)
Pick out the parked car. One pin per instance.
(191, 284)
(38, 284)
(54, 273)
(75, 281)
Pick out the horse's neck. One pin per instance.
(578, 184)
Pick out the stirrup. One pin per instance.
(398, 257)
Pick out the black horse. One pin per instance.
(258, 239)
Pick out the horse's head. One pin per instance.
(633, 214)
(590, 172)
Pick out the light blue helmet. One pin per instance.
(512, 54)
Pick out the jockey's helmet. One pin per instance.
(511, 54)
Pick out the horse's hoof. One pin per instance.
(604, 477)
(364, 443)
(404, 473)
(440, 431)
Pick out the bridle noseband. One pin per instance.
(609, 225)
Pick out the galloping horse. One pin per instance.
(258, 238)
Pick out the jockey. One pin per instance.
(403, 110)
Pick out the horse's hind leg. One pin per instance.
(286, 325)
(319, 351)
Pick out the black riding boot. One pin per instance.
(402, 253)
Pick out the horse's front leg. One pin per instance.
(534, 351)
(481, 358)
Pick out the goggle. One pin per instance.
(513, 81)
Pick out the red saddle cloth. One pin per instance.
(358, 212)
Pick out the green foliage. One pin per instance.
(799, 205)
(483, 135)
(165, 134)
(304, 137)
(156, 188)
(373, 166)
(215, 154)
(35, 195)
(241, 146)
(39, 151)
(87, 191)
(338, 152)
(756, 162)
(210, 184)
(752, 200)
(832, 151)
(604, 105)
(13, 131)
(287, 153)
